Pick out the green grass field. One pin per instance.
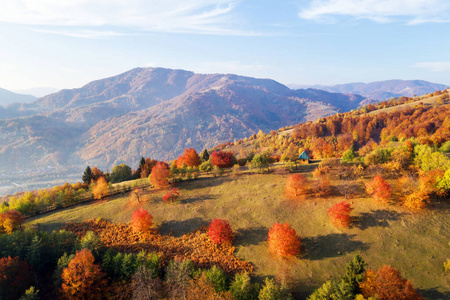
(417, 244)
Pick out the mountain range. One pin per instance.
(8, 97)
(380, 90)
(152, 112)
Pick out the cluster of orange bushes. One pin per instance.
(195, 246)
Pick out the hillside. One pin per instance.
(8, 97)
(152, 112)
(381, 90)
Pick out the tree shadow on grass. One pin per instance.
(178, 228)
(203, 182)
(251, 236)
(375, 218)
(433, 293)
(198, 198)
(331, 245)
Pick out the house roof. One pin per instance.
(304, 155)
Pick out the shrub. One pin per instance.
(283, 240)
(379, 189)
(340, 214)
(171, 196)
(219, 231)
(82, 279)
(141, 220)
(296, 186)
(222, 159)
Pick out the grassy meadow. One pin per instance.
(417, 244)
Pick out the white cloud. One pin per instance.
(382, 11)
(196, 16)
(436, 66)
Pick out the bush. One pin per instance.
(222, 159)
(160, 175)
(15, 277)
(340, 214)
(141, 220)
(297, 185)
(219, 231)
(379, 189)
(283, 240)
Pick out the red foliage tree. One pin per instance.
(387, 284)
(82, 279)
(222, 159)
(15, 277)
(141, 220)
(172, 195)
(219, 231)
(340, 214)
(379, 189)
(160, 175)
(297, 185)
(188, 158)
(10, 220)
(283, 240)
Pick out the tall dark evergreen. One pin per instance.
(354, 272)
(205, 155)
(138, 172)
(87, 175)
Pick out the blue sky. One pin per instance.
(68, 43)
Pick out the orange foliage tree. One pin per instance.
(387, 284)
(141, 220)
(160, 175)
(222, 159)
(340, 214)
(283, 240)
(82, 279)
(297, 185)
(10, 220)
(15, 277)
(100, 188)
(188, 158)
(172, 195)
(219, 231)
(379, 189)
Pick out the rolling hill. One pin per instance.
(8, 97)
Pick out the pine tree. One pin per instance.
(87, 175)
(204, 156)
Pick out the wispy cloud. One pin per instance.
(193, 16)
(436, 66)
(382, 11)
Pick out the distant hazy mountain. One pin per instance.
(381, 90)
(154, 113)
(38, 91)
(8, 97)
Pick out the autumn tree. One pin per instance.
(160, 175)
(222, 159)
(100, 188)
(219, 231)
(188, 158)
(387, 284)
(10, 220)
(379, 189)
(296, 186)
(97, 173)
(171, 195)
(283, 240)
(15, 277)
(141, 220)
(82, 279)
(340, 214)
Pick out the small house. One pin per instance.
(304, 157)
